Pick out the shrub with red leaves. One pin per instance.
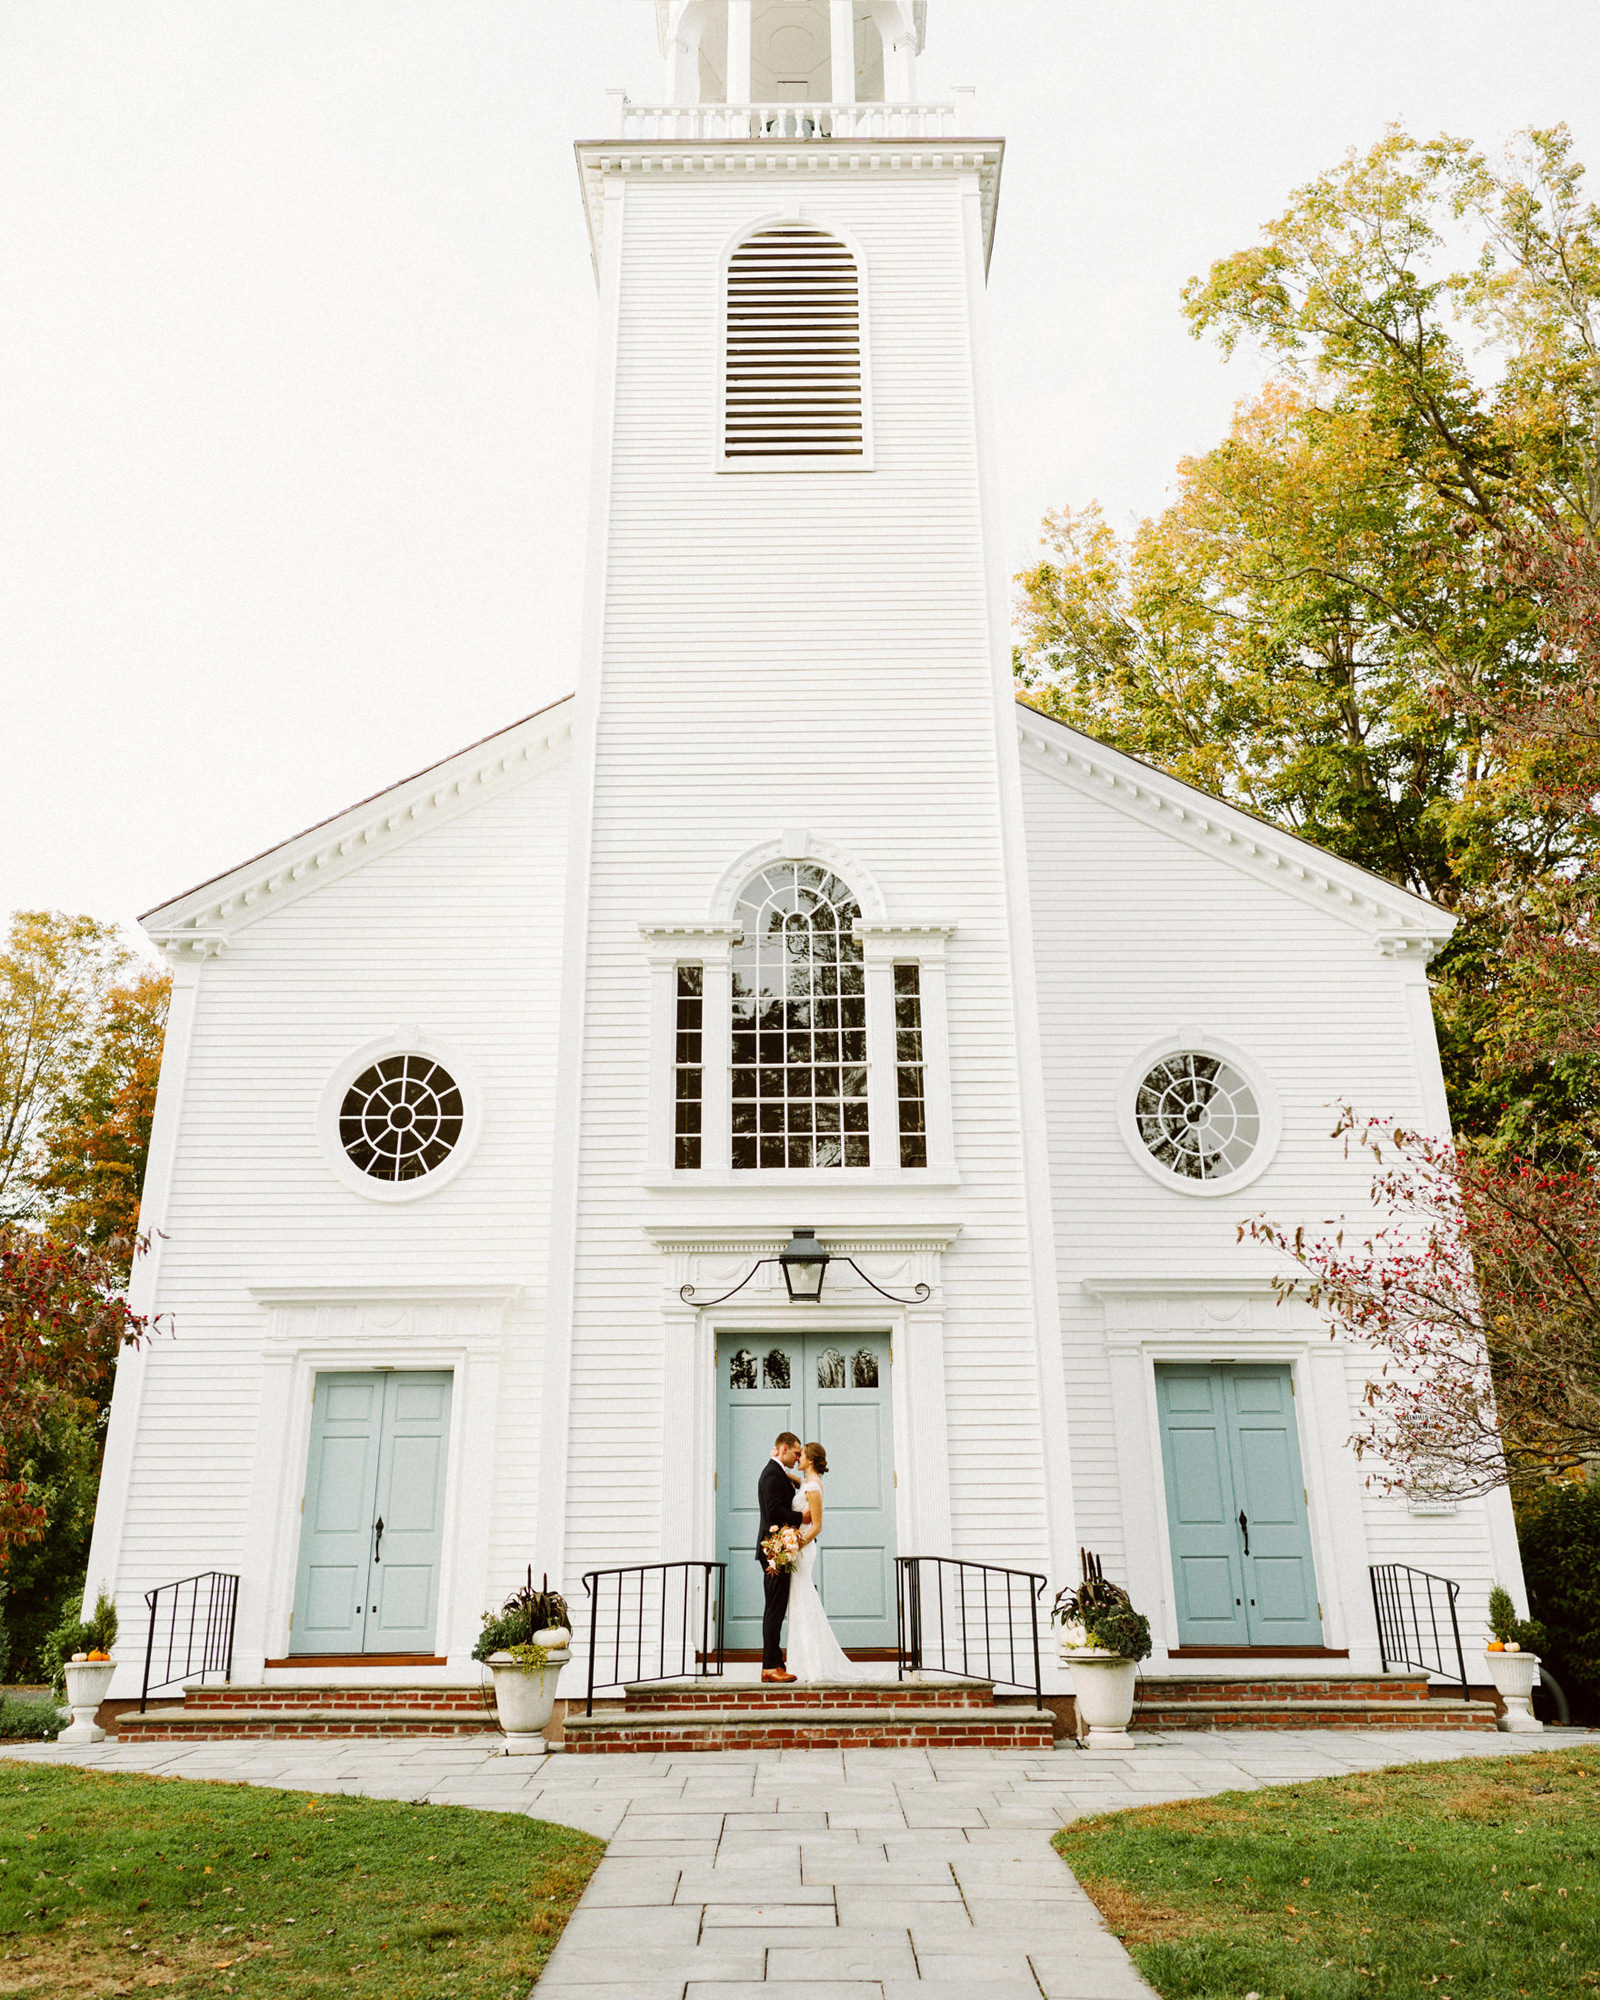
(1480, 1293)
(64, 1318)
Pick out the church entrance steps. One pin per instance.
(764, 1696)
(889, 1715)
(1332, 1701)
(236, 1714)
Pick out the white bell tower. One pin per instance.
(791, 51)
(797, 658)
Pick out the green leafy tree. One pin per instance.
(92, 1158)
(55, 973)
(43, 1580)
(1345, 621)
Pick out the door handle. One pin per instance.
(378, 1540)
(1244, 1529)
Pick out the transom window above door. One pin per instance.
(799, 1023)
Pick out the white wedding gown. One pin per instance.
(814, 1654)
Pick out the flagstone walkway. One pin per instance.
(872, 1875)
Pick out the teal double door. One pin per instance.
(1243, 1572)
(372, 1522)
(834, 1391)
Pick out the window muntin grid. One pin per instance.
(910, 1067)
(689, 1068)
(401, 1119)
(1198, 1116)
(799, 1023)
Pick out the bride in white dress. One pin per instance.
(814, 1654)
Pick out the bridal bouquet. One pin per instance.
(782, 1550)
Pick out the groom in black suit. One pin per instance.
(776, 1493)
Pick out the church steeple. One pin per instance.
(840, 52)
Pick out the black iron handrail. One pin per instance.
(983, 1617)
(192, 1634)
(631, 1615)
(1411, 1621)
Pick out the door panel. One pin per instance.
(1207, 1561)
(403, 1593)
(749, 1417)
(836, 1391)
(337, 1514)
(849, 1416)
(1271, 1493)
(378, 1450)
(1230, 1448)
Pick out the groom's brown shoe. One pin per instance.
(776, 1674)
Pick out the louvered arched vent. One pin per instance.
(794, 359)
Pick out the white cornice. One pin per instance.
(382, 1291)
(817, 160)
(1253, 1285)
(680, 933)
(201, 923)
(1399, 923)
(734, 1240)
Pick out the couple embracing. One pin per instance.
(791, 1494)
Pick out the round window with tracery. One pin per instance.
(401, 1119)
(1198, 1116)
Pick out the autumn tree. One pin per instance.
(1479, 1294)
(1331, 625)
(64, 1318)
(79, 1059)
(93, 1152)
(55, 973)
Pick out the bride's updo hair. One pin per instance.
(818, 1458)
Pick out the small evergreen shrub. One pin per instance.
(29, 1718)
(1560, 1535)
(79, 1635)
(1511, 1630)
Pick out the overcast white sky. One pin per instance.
(296, 350)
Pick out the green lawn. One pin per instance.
(1460, 1881)
(114, 1885)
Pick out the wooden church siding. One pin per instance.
(457, 932)
(1142, 940)
(798, 651)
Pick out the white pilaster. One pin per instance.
(105, 1549)
(739, 86)
(842, 21)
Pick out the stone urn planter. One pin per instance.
(1103, 1682)
(88, 1684)
(1513, 1674)
(525, 1698)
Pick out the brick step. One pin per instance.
(1326, 1687)
(801, 1728)
(242, 1723)
(1313, 1715)
(689, 1697)
(290, 1698)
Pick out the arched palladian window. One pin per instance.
(799, 1023)
(793, 380)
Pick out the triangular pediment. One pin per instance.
(1402, 923)
(200, 922)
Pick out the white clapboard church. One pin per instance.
(490, 1104)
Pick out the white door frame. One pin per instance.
(1233, 1321)
(713, 1261)
(317, 1330)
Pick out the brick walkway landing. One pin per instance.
(839, 1875)
(677, 1717)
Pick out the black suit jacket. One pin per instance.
(776, 1492)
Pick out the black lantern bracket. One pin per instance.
(804, 1263)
